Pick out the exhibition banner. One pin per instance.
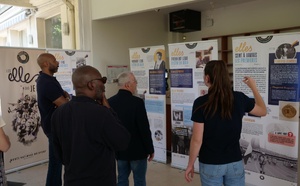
(269, 144)
(187, 62)
(148, 66)
(18, 72)
(69, 60)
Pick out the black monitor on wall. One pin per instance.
(185, 21)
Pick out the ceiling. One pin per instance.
(42, 8)
(203, 5)
(199, 5)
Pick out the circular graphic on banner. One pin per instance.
(289, 111)
(158, 135)
(286, 51)
(23, 57)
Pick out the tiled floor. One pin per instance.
(158, 174)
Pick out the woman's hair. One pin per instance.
(220, 93)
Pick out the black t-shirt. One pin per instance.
(48, 90)
(220, 143)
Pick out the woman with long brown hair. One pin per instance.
(217, 118)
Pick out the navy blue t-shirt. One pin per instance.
(48, 90)
(220, 143)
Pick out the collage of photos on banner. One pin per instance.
(181, 134)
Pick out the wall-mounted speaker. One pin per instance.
(66, 29)
(185, 21)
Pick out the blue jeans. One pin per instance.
(138, 168)
(54, 167)
(231, 174)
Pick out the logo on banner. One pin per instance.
(191, 46)
(23, 57)
(145, 50)
(264, 40)
(70, 53)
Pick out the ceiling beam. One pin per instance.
(21, 3)
(70, 5)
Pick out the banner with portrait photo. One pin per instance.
(19, 71)
(148, 66)
(270, 144)
(187, 62)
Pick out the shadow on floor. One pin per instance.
(11, 183)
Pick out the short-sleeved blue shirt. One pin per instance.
(220, 143)
(48, 90)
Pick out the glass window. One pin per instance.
(53, 32)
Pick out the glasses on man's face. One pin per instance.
(103, 80)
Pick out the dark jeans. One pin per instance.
(138, 167)
(54, 167)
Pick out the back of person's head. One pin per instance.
(82, 76)
(124, 78)
(220, 90)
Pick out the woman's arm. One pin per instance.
(4, 141)
(260, 108)
(195, 146)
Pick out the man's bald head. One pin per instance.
(44, 58)
(82, 75)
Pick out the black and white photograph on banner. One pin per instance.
(158, 135)
(81, 61)
(286, 50)
(26, 119)
(159, 60)
(267, 162)
(181, 137)
(177, 116)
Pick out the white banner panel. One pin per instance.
(69, 60)
(187, 61)
(270, 144)
(149, 71)
(19, 71)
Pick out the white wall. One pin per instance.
(112, 8)
(250, 17)
(114, 36)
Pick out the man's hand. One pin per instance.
(150, 157)
(104, 101)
